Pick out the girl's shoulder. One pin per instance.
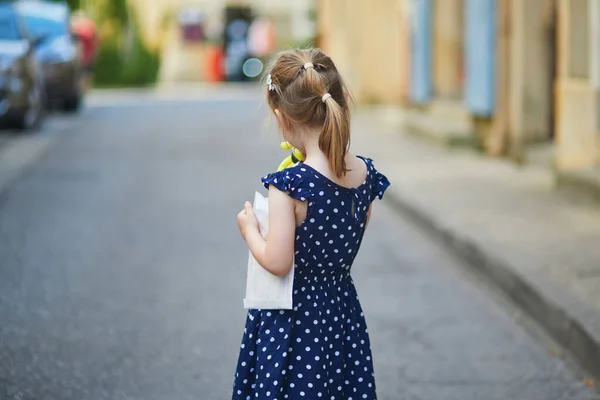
(295, 181)
(302, 181)
(375, 180)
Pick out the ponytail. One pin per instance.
(306, 87)
(335, 136)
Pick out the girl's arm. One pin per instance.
(276, 254)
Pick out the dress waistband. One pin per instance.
(331, 278)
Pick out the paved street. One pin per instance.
(122, 271)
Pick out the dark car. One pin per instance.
(49, 23)
(21, 79)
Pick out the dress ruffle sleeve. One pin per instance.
(378, 181)
(289, 181)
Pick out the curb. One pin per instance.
(566, 329)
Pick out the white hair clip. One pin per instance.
(270, 83)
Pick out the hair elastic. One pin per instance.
(325, 97)
(308, 65)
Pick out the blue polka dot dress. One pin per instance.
(321, 348)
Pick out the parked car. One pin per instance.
(21, 79)
(49, 23)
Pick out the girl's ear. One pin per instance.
(279, 117)
(283, 122)
(346, 96)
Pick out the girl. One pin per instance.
(318, 212)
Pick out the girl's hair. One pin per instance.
(298, 81)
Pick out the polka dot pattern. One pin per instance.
(321, 348)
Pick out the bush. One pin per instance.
(123, 59)
(73, 4)
(142, 65)
(115, 68)
(109, 64)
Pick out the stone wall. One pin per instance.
(448, 48)
(578, 138)
(369, 43)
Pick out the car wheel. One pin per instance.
(72, 103)
(33, 115)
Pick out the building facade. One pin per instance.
(369, 42)
(158, 22)
(578, 85)
(510, 75)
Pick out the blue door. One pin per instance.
(480, 56)
(420, 84)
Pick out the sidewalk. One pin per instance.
(507, 222)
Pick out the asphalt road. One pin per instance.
(122, 272)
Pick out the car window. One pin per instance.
(43, 19)
(38, 26)
(9, 29)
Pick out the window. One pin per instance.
(44, 27)
(45, 19)
(9, 30)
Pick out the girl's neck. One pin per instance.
(314, 155)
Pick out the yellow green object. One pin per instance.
(292, 159)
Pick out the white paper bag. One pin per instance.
(263, 289)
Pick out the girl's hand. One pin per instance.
(247, 220)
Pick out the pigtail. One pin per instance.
(312, 80)
(306, 87)
(334, 139)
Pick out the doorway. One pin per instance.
(541, 72)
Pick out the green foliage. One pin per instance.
(312, 14)
(109, 64)
(117, 10)
(300, 43)
(118, 64)
(142, 65)
(115, 68)
(73, 4)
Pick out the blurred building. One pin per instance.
(294, 20)
(512, 76)
(294, 23)
(369, 41)
(578, 85)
